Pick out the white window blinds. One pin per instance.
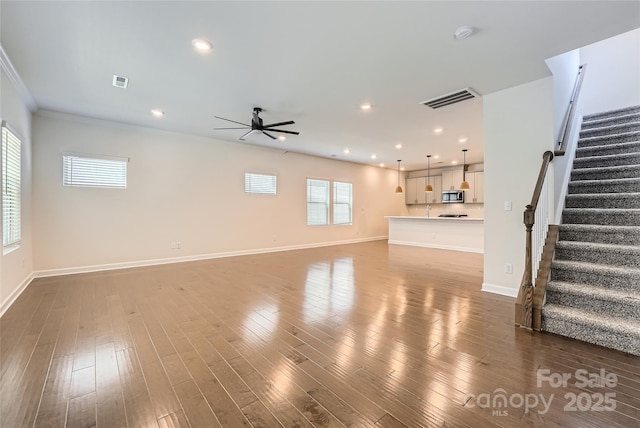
(317, 202)
(342, 201)
(94, 171)
(260, 183)
(11, 187)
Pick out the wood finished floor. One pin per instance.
(355, 335)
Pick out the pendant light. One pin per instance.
(464, 185)
(399, 188)
(428, 187)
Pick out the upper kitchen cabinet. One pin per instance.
(451, 178)
(415, 190)
(475, 194)
(434, 197)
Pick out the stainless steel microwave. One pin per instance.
(453, 197)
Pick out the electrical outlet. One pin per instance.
(508, 268)
(507, 206)
(176, 245)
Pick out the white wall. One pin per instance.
(16, 265)
(518, 129)
(188, 189)
(613, 73)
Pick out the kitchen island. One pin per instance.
(447, 233)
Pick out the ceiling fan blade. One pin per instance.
(271, 125)
(283, 131)
(268, 135)
(229, 120)
(217, 129)
(246, 134)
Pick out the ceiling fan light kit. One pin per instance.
(257, 125)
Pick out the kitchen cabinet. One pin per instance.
(414, 190)
(434, 197)
(475, 194)
(451, 178)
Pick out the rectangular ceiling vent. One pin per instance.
(120, 81)
(452, 98)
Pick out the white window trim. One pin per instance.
(263, 174)
(93, 157)
(13, 245)
(331, 203)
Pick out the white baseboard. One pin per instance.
(154, 262)
(439, 247)
(500, 289)
(16, 293)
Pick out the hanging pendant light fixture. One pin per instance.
(399, 188)
(465, 184)
(428, 187)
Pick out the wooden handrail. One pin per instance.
(561, 147)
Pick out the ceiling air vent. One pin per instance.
(452, 98)
(120, 81)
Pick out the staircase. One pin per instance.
(594, 292)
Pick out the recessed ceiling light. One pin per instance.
(201, 45)
(347, 151)
(281, 137)
(436, 156)
(381, 165)
(463, 32)
(374, 156)
(398, 146)
(157, 112)
(438, 130)
(462, 140)
(365, 106)
(401, 168)
(454, 162)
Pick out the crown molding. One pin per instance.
(15, 78)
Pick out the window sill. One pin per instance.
(10, 248)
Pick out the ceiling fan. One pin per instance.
(258, 126)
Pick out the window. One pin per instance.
(94, 171)
(260, 183)
(342, 200)
(317, 202)
(11, 160)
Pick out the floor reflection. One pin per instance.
(328, 289)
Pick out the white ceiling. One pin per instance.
(312, 62)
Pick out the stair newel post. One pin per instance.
(527, 307)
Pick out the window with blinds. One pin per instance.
(260, 183)
(317, 202)
(342, 202)
(11, 187)
(94, 171)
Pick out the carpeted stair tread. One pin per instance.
(618, 277)
(592, 252)
(612, 113)
(606, 172)
(607, 160)
(608, 130)
(603, 216)
(600, 140)
(614, 120)
(608, 149)
(605, 330)
(623, 235)
(603, 200)
(582, 296)
(615, 185)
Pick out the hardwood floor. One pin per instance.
(354, 335)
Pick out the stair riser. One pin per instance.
(595, 305)
(613, 149)
(584, 187)
(601, 161)
(611, 219)
(612, 280)
(618, 120)
(610, 130)
(602, 337)
(611, 258)
(612, 113)
(599, 174)
(595, 202)
(609, 139)
(620, 238)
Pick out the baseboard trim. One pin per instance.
(155, 262)
(16, 293)
(439, 247)
(500, 289)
